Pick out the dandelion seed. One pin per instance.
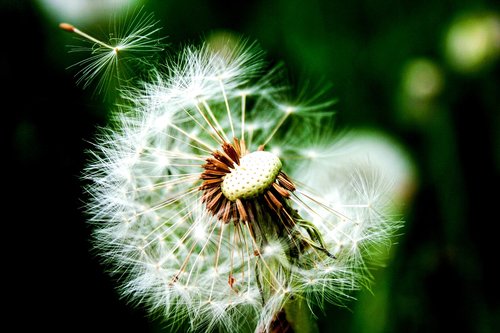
(108, 61)
(202, 219)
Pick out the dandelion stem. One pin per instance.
(217, 128)
(217, 257)
(207, 241)
(243, 240)
(257, 250)
(71, 28)
(227, 107)
(277, 126)
(218, 247)
(243, 110)
(192, 137)
(299, 316)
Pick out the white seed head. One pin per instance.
(256, 172)
(162, 194)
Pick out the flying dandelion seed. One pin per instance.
(108, 61)
(217, 202)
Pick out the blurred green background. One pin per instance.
(424, 73)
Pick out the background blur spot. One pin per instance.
(473, 41)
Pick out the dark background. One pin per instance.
(442, 273)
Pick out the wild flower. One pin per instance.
(217, 200)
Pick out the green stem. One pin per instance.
(300, 317)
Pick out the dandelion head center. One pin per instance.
(238, 184)
(255, 173)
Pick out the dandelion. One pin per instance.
(219, 202)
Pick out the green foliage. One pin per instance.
(441, 274)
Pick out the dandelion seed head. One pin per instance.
(212, 205)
